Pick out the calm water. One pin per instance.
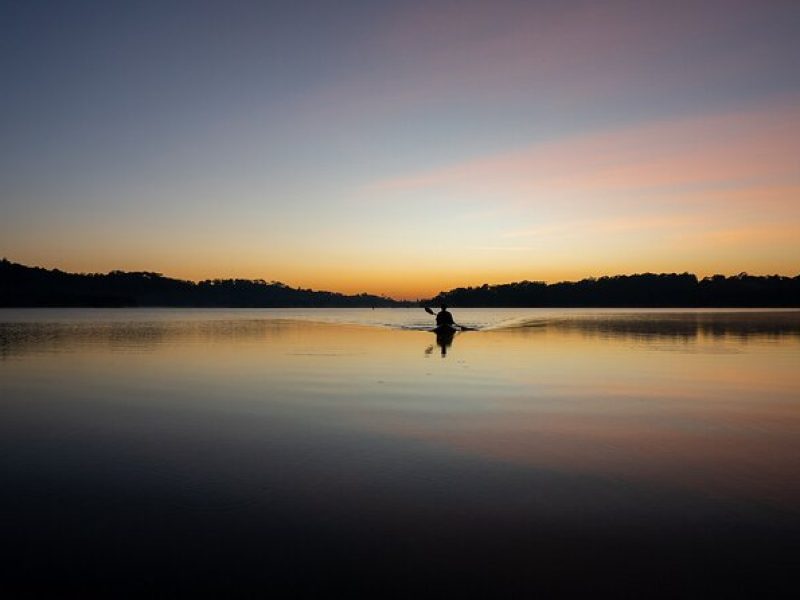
(349, 450)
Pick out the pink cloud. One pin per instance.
(756, 146)
(610, 225)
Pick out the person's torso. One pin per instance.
(444, 318)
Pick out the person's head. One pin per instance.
(443, 307)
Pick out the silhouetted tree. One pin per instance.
(642, 290)
(33, 286)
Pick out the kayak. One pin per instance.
(444, 330)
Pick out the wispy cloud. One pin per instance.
(504, 248)
(606, 226)
(719, 149)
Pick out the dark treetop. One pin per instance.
(33, 286)
(645, 290)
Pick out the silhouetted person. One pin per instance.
(443, 317)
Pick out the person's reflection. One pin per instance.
(444, 339)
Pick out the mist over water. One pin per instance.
(317, 450)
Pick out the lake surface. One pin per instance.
(319, 451)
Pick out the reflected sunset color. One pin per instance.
(344, 442)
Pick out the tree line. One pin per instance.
(641, 290)
(21, 285)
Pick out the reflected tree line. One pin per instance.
(682, 326)
(26, 337)
(18, 339)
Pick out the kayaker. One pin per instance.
(443, 317)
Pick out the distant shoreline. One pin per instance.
(22, 286)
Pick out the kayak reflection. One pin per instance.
(444, 339)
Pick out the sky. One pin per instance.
(401, 148)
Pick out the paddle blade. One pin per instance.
(429, 311)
